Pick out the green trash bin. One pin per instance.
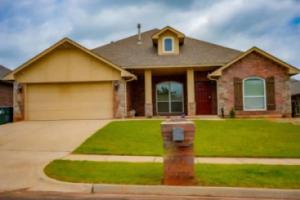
(6, 115)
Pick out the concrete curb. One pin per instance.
(47, 184)
(197, 191)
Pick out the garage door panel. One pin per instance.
(69, 101)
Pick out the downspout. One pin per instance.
(211, 78)
(217, 90)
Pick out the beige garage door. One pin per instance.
(69, 101)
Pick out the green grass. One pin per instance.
(267, 176)
(125, 138)
(105, 172)
(247, 138)
(227, 138)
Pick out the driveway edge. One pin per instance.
(198, 191)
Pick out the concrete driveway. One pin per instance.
(26, 147)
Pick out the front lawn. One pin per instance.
(268, 176)
(225, 138)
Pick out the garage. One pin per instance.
(69, 101)
(66, 82)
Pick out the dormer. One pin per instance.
(168, 41)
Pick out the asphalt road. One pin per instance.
(25, 195)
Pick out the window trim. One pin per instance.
(264, 96)
(169, 101)
(163, 44)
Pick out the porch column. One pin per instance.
(190, 92)
(148, 94)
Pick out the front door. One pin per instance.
(205, 97)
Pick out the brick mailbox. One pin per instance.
(178, 141)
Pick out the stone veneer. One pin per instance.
(191, 109)
(120, 110)
(148, 110)
(255, 64)
(18, 101)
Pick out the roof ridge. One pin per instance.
(135, 35)
(214, 44)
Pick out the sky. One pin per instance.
(27, 27)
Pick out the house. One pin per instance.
(6, 89)
(157, 72)
(6, 97)
(295, 90)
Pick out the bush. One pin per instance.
(232, 113)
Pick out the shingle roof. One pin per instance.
(3, 71)
(295, 86)
(128, 54)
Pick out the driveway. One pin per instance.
(26, 147)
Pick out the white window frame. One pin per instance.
(163, 44)
(264, 96)
(169, 99)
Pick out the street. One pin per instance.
(26, 195)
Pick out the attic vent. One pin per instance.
(139, 34)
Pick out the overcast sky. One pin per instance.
(29, 26)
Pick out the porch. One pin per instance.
(165, 92)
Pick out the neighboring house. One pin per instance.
(6, 97)
(6, 89)
(295, 88)
(157, 72)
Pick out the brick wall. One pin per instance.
(255, 65)
(6, 94)
(136, 96)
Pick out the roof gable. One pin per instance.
(66, 42)
(291, 69)
(179, 35)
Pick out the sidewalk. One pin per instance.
(211, 160)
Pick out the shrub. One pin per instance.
(232, 113)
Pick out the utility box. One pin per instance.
(6, 115)
(178, 141)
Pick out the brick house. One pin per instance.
(6, 89)
(295, 90)
(157, 72)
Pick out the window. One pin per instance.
(168, 44)
(254, 94)
(296, 105)
(169, 97)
